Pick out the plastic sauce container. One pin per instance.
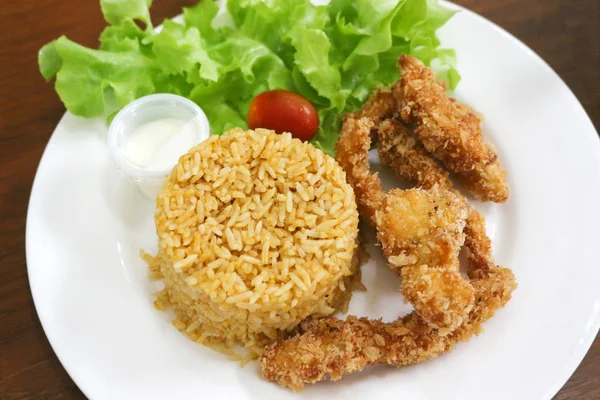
(149, 135)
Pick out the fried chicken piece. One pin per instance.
(487, 183)
(352, 155)
(468, 114)
(477, 241)
(421, 234)
(402, 152)
(431, 283)
(451, 131)
(399, 150)
(445, 129)
(381, 105)
(331, 348)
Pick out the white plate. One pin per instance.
(86, 225)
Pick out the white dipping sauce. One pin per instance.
(157, 145)
(149, 135)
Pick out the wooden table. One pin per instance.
(565, 33)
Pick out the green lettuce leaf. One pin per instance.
(223, 54)
(248, 68)
(329, 128)
(116, 11)
(312, 59)
(181, 50)
(84, 75)
(49, 61)
(126, 36)
(201, 16)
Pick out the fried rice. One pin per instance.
(256, 232)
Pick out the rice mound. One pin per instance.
(257, 231)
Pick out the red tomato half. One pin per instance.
(284, 111)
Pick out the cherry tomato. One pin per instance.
(284, 111)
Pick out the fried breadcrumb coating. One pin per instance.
(487, 183)
(330, 348)
(484, 182)
(411, 163)
(382, 104)
(421, 234)
(352, 155)
(431, 283)
(402, 152)
(445, 129)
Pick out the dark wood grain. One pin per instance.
(565, 33)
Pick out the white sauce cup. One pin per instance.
(143, 111)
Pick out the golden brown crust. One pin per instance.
(487, 183)
(352, 154)
(402, 152)
(421, 234)
(431, 283)
(399, 150)
(381, 105)
(330, 348)
(445, 129)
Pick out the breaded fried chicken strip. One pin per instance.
(450, 130)
(330, 348)
(399, 150)
(406, 156)
(431, 282)
(441, 125)
(381, 105)
(421, 234)
(352, 155)
(477, 241)
(487, 183)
